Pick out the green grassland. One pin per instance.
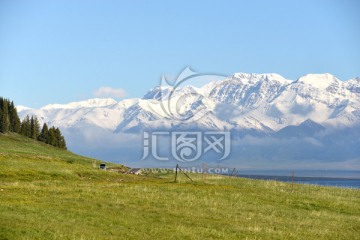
(49, 193)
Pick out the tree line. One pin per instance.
(29, 126)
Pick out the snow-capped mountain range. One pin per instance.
(242, 102)
(309, 123)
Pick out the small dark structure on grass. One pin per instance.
(102, 166)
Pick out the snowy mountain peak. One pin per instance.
(357, 80)
(20, 108)
(157, 92)
(248, 90)
(321, 81)
(254, 77)
(207, 88)
(90, 103)
(353, 85)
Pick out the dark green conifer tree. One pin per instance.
(1, 118)
(60, 140)
(35, 127)
(44, 135)
(32, 126)
(58, 137)
(52, 136)
(1, 113)
(26, 127)
(14, 118)
(5, 119)
(63, 143)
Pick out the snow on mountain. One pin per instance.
(20, 108)
(314, 119)
(103, 113)
(321, 97)
(207, 88)
(319, 81)
(91, 103)
(179, 113)
(249, 95)
(241, 102)
(353, 85)
(157, 93)
(248, 90)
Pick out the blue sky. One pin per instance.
(63, 51)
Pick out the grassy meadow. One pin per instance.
(49, 193)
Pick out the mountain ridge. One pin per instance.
(272, 120)
(240, 101)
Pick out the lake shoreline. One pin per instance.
(320, 181)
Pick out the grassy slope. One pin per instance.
(50, 193)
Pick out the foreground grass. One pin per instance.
(49, 193)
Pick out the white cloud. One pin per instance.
(109, 92)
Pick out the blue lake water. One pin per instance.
(347, 183)
(343, 179)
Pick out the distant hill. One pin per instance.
(306, 129)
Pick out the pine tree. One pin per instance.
(9, 119)
(44, 135)
(58, 137)
(26, 127)
(32, 126)
(14, 118)
(60, 140)
(63, 143)
(1, 118)
(52, 136)
(1, 113)
(5, 119)
(35, 127)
